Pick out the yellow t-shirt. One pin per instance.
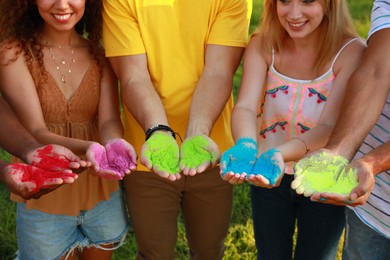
(174, 35)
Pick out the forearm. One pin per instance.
(208, 101)
(378, 158)
(298, 147)
(14, 137)
(77, 146)
(143, 102)
(359, 113)
(110, 129)
(367, 91)
(244, 123)
(138, 94)
(214, 88)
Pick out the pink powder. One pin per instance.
(113, 157)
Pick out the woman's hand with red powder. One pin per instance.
(56, 157)
(114, 160)
(29, 181)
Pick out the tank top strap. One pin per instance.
(341, 49)
(272, 57)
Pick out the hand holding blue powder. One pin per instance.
(270, 165)
(240, 158)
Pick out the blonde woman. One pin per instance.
(295, 72)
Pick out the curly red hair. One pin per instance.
(21, 25)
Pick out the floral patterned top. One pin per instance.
(291, 106)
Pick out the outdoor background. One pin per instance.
(240, 241)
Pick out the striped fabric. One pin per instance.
(380, 17)
(376, 212)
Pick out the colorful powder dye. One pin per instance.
(37, 175)
(163, 153)
(267, 166)
(113, 157)
(240, 158)
(47, 160)
(324, 172)
(195, 152)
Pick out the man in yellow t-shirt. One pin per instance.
(175, 60)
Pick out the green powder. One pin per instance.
(195, 152)
(324, 172)
(163, 152)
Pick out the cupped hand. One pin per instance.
(56, 157)
(324, 172)
(238, 161)
(114, 160)
(359, 195)
(160, 154)
(30, 182)
(197, 153)
(268, 170)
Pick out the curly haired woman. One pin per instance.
(54, 75)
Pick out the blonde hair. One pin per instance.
(336, 26)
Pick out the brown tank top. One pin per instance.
(76, 118)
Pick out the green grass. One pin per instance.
(240, 241)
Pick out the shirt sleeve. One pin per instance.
(121, 34)
(232, 23)
(380, 17)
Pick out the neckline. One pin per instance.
(78, 87)
(324, 75)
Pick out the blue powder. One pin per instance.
(240, 158)
(267, 166)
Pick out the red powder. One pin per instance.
(38, 175)
(50, 161)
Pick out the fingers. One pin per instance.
(166, 175)
(114, 160)
(234, 178)
(63, 151)
(198, 153)
(259, 180)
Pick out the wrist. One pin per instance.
(159, 127)
(303, 144)
(247, 141)
(29, 151)
(368, 163)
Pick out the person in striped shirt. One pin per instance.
(366, 118)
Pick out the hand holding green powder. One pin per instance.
(160, 153)
(197, 153)
(324, 172)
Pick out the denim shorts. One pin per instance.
(50, 236)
